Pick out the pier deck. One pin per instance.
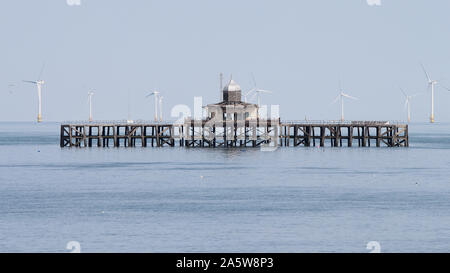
(249, 133)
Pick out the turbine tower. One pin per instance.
(156, 95)
(408, 103)
(90, 94)
(39, 84)
(160, 108)
(341, 97)
(432, 83)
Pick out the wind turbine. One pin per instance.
(160, 108)
(221, 86)
(156, 95)
(39, 84)
(432, 83)
(256, 91)
(341, 97)
(408, 103)
(90, 94)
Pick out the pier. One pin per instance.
(234, 133)
(234, 123)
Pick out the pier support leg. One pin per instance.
(378, 136)
(322, 136)
(350, 136)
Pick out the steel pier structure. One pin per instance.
(229, 133)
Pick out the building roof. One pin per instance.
(232, 86)
(225, 103)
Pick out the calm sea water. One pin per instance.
(219, 200)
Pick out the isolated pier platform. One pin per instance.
(245, 133)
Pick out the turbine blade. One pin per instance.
(426, 73)
(336, 99)
(348, 96)
(445, 87)
(30, 82)
(249, 92)
(403, 91)
(253, 96)
(42, 71)
(254, 80)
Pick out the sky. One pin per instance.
(300, 50)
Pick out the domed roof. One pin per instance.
(232, 86)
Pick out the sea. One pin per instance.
(292, 199)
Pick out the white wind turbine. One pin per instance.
(160, 108)
(408, 103)
(157, 100)
(341, 97)
(39, 84)
(90, 94)
(432, 83)
(256, 91)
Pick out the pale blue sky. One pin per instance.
(297, 49)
